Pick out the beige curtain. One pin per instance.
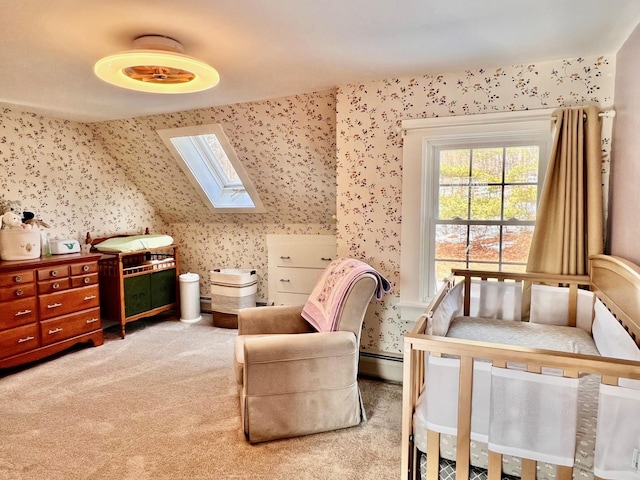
(569, 224)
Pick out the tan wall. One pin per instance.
(625, 167)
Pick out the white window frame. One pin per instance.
(216, 191)
(422, 139)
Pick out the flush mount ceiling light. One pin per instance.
(157, 65)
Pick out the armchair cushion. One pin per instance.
(272, 319)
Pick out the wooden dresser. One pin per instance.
(47, 305)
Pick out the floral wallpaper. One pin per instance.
(369, 152)
(207, 246)
(57, 170)
(286, 145)
(310, 156)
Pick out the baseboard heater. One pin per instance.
(386, 366)
(205, 304)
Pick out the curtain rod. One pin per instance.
(604, 114)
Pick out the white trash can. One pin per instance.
(189, 297)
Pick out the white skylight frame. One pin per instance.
(201, 166)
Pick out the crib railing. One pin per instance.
(572, 365)
(417, 345)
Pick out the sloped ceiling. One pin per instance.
(287, 146)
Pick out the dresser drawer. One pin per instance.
(91, 279)
(84, 268)
(17, 292)
(19, 339)
(51, 273)
(51, 286)
(290, 298)
(16, 278)
(70, 301)
(18, 312)
(67, 326)
(316, 256)
(297, 280)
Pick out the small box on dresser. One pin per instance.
(47, 305)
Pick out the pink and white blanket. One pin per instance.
(327, 298)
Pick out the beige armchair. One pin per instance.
(294, 380)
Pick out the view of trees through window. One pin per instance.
(487, 199)
(223, 161)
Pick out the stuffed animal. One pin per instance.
(11, 221)
(16, 207)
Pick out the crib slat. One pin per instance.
(463, 455)
(564, 473)
(495, 466)
(528, 469)
(573, 304)
(433, 455)
(467, 295)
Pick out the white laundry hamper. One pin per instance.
(231, 290)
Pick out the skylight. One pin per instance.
(209, 161)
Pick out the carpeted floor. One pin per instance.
(162, 404)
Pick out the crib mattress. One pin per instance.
(524, 334)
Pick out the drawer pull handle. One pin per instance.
(18, 279)
(54, 273)
(26, 339)
(55, 286)
(19, 293)
(285, 280)
(55, 330)
(54, 305)
(282, 257)
(86, 280)
(23, 312)
(92, 320)
(89, 297)
(326, 259)
(85, 268)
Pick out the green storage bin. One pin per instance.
(137, 295)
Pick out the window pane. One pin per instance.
(486, 202)
(453, 203)
(521, 164)
(443, 269)
(520, 202)
(455, 166)
(491, 267)
(485, 242)
(516, 241)
(223, 160)
(451, 242)
(487, 165)
(514, 268)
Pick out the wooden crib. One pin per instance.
(613, 281)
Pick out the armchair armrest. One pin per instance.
(277, 364)
(272, 320)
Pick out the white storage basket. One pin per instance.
(233, 289)
(19, 244)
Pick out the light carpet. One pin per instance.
(163, 404)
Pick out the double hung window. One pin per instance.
(470, 191)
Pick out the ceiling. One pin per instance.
(269, 49)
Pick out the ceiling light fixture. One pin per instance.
(157, 65)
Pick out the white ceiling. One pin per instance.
(272, 48)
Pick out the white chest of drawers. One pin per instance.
(295, 262)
